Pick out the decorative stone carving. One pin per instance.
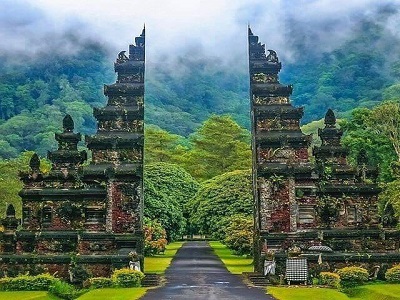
(272, 56)
(68, 124)
(122, 57)
(34, 163)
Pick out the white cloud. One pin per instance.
(212, 27)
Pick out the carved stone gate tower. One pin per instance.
(300, 206)
(86, 215)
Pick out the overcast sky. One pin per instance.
(210, 27)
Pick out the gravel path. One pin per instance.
(197, 273)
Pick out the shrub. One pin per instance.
(393, 274)
(239, 234)
(43, 281)
(27, 283)
(65, 290)
(352, 276)
(127, 278)
(330, 279)
(100, 282)
(154, 237)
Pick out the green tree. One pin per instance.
(155, 237)
(385, 120)
(220, 197)
(377, 130)
(160, 145)
(359, 135)
(168, 188)
(389, 201)
(392, 92)
(220, 145)
(239, 234)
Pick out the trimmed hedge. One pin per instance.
(329, 279)
(352, 276)
(127, 278)
(27, 283)
(393, 274)
(100, 282)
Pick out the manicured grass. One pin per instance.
(109, 294)
(234, 263)
(159, 263)
(305, 293)
(27, 295)
(114, 294)
(378, 291)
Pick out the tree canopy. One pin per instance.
(365, 130)
(167, 189)
(220, 145)
(220, 197)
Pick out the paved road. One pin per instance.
(197, 273)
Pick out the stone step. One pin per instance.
(256, 279)
(151, 279)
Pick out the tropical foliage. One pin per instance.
(220, 197)
(377, 131)
(168, 188)
(220, 145)
(239, 234)
(155, 237)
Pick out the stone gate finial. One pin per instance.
(330, 119)
(10, 212)
(272, 56)
(250, 32)
(68, 123)
(34, 163)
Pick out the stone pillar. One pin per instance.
(293, 207)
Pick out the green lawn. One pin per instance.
(109, 294)
(159, 263)
(305, 293)
(376, 292)
(114, 294)
(234, 263)
(379, 291)
(27, 295)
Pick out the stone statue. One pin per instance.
(272, 56)
(134, 263)
(122, 57)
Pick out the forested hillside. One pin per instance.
(360, 72)
(36, 92)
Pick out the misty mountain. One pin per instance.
(183, 91)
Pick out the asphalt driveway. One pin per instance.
(197, 273)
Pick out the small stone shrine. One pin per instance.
(300, 204)
(86, 215)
